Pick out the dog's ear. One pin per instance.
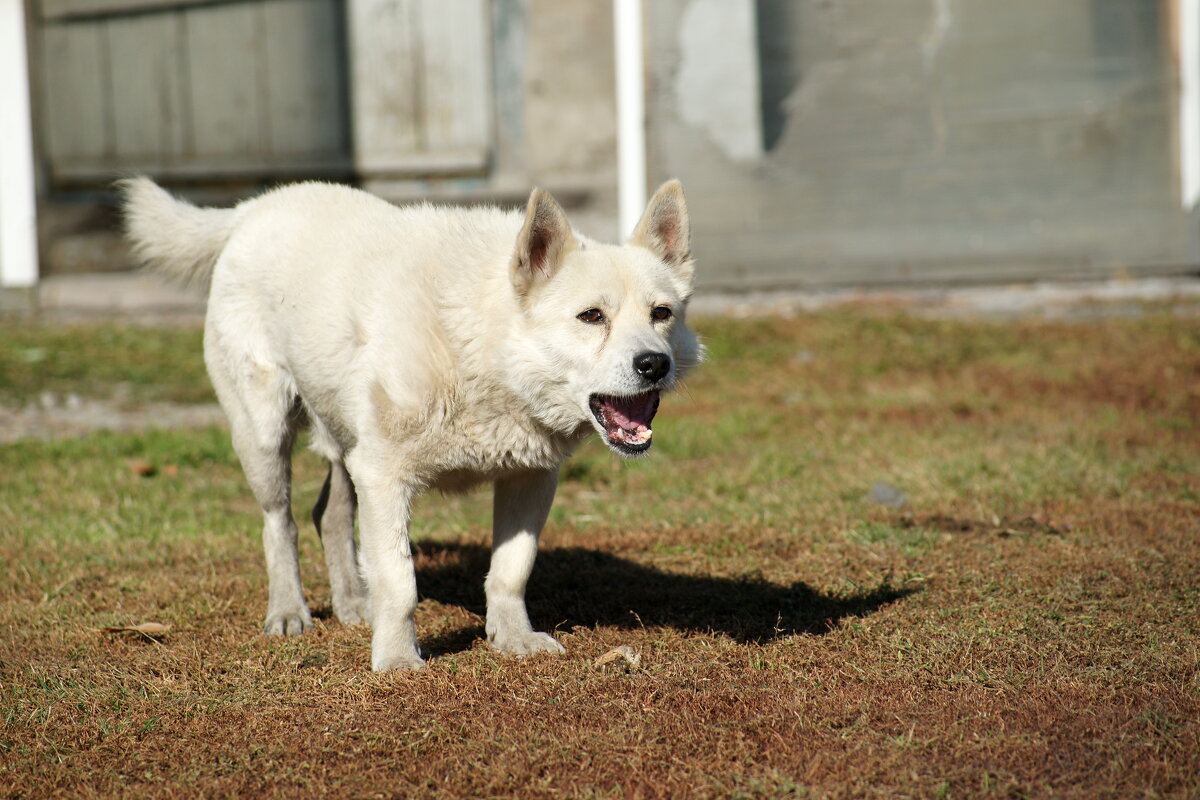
(544, 240)
(664, 229)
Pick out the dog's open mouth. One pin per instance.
(625, 421)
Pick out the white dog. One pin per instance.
(427, 348)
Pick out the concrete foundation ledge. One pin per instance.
(145, 298)
(115, 294)
(18, 302)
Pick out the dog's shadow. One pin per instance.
(573, 586)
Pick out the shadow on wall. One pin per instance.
(778, 69)
(574, 586)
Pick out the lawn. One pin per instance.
(871, 555)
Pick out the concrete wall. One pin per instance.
(568, 132)
(931, 139)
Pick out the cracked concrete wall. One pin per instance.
(928, 139)
(717, 87)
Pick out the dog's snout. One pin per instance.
(652, 366)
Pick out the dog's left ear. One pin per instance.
(544, 240)
(664, 230)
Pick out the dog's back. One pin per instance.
(313, 239)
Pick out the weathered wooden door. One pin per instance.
(192, 88)
(422, 92)
(216, 89)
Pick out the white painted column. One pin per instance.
(1189, 102)
(631, 114)
(18, 211)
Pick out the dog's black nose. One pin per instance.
(652, 366)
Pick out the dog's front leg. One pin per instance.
(384, 504)
(519, 510)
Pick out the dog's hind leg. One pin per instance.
(519, 509)
(268, 469)
(334, 517)
(264, 415)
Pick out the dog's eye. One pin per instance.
(660, 314)
(593, 316)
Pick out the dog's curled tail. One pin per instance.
(173, 237)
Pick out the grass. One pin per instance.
(1024, 625)
(113, 362)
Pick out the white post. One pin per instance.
(18, 213)
(1189, 103)
(631, 114)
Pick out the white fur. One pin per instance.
(427, 348)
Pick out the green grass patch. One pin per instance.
(129, 363)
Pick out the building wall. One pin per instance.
(931, 139)
(819, 141)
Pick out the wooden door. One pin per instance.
(211, 90)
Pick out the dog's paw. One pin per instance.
(288, 623)
(410, 663)
(394, 644)
(524, 644)
(352, 611)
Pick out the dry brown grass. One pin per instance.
(1026, 625)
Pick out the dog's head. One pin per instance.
(609, 322)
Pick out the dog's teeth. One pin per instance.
(637, 437)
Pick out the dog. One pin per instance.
(425, 348)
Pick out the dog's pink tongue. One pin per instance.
(629, 417)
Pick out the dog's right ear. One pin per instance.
(544, 240)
